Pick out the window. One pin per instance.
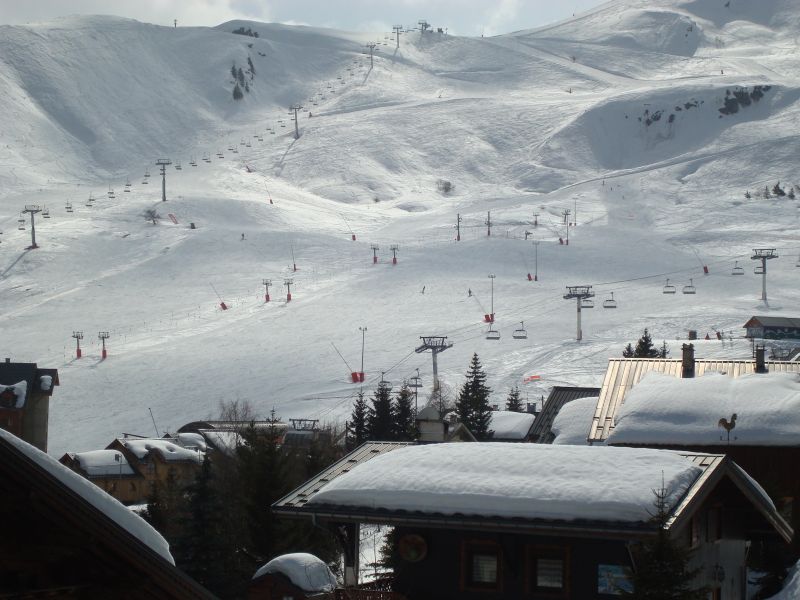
(548, 570)
(481, 566)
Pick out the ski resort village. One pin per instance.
(292, 309)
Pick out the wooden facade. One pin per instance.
(480, 556)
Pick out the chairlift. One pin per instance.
(492, 333)
(127, 184)
(248, 144)
(737, 270)
(110, 193)
(235, 151)
(230, 148)
(759, 270)
(610, 302)
(587, 303)
(46, 213)
(178, 165)
(21, 224)
(415, 382)
(520, 333)
(242, 142)
(68, 206)
(669, 288)
(220, 155)
(260, 139)
(689, 289)
(146, 173)
(193, 162)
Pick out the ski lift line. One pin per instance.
(349, 370)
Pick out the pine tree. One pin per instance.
(644, 348)
(472, 405)
(513, 402)
(664, 350)
(233, 71)
(766, 191)
(628, 352)
(778, 190)
(790, 195)
(380, 416)
(246, 87)
(357, 428)
(404, 423)
(204, 550)
(237, 92)
(240, 76)
(252, 68)
(166, 507)
(662, 564)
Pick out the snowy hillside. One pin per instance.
(650, 119)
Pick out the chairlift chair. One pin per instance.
(178, 165)
(520, 333)
(193, 162)
(587, 303)
(146, 173)
(248, 144)
(492, 333)
(235, 151)
(737, 270)
(46, 213)
(68, 206)
(669, 288)
(759, 270)
(127, 183)
(610, 302)
(689, 289)
(415, 382)
(21, 224)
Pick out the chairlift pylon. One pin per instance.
(610, 302)
(520, 333)
(669, 288)
(737, 270)
(689, 289)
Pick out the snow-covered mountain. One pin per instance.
(650, 119)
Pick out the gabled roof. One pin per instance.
(624, 373)
(88, 523)
(769, 321)
(541, 431)
(511, 426)
(449, 486)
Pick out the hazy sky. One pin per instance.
(462, 17)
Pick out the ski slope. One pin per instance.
(538, 121)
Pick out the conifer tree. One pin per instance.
(252, 68)
(645, 348)
(357, 428)
(662, 564)
(240, 76)
(472, 405)
(237, 92)
(233, 71)
(204, 550)
(513, 402)
(380, 416)
(404, 423)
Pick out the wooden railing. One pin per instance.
(379, 589)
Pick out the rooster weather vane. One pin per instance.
(728, 425)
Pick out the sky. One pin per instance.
(459, 17)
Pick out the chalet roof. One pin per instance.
(624, 373)
(770, 321)
(165, 448)
(460, 486)
(541, 431)
(511, 426)
(81, 511)
(100, 463)
(12, 373)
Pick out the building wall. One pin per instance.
(34, 430)
(11, 420)
(443, 573)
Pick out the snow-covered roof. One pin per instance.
(306, 571)
(92, 494)
(662, 409)
(571, 425)
(99, 463)
(169, 451)
(509, 425)
(791, 585)
(20, 390)
(535, 481)
(192, 440)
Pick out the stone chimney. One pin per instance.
(761, 367)
(687, 360)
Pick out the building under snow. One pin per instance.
(533, 520)
(25, 392)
